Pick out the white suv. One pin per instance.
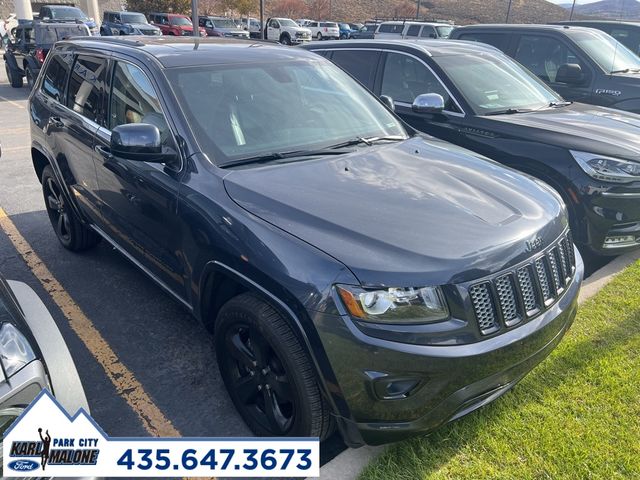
(324, 30)
(286, 31)
(397, 30)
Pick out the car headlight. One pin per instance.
(15, 351)
(395, 305)
(608, 169)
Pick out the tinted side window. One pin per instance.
(413, 31)
(544, 55)
(55, 77)
(405, 77)
(86, 87)
(134, 100)
(497, 40)
(391, 28)
(361, 64)
(428, 32)
(629, 38)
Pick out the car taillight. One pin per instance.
(40, 55)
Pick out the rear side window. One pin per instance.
(495, 39)
(86, 87)
(55, 77)
(390, 28)
(429, 32)
(361, 64)
(414, 31)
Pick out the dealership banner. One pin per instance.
(46, 441)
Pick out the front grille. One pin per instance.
(512, 297)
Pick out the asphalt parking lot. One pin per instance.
(148, 367)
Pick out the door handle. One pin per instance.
(55, 122)
(104, 152)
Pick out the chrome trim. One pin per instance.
(621, 195)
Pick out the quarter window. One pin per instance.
(544, 55)
(497, 40)
(428, 32)
(405, 78)
(413, 31)
(134, 100)
(361, 64)
(55, 77)
(86, 86)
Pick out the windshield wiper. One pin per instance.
(625, 70)
(509, 111)
(283, 155)
(559, 104)
(368, 141)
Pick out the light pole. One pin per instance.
(418, 10)
(508, 12)
(194, 18)
(573, 6)
(263, 27)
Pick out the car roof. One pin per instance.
(523, 26)
(595, 22)
(189, 51)
(431, 47)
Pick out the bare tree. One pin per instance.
(319, 9)
(289, 8)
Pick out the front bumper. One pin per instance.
(453, 380)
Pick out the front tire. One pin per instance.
(285, 40)
(71, 233)
(267, 372)
(319, 36)
(15, 79)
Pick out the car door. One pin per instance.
(403, 78)
(545, 54)
(273, 30)
(138, 199)
(73, 122)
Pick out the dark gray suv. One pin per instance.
(352, 271)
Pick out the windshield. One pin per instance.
(179, 21)
(133, 18)
(344, 26)
(445, 31)
(68, 12)
(606, 51)
(492, 83)
(224, 23)
(285, 22)
(243, 111)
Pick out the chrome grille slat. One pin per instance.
(509, 297)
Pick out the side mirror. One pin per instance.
(428, 103)
(570, 73)
(388, 102)
(140, 142)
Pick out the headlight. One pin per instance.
(395, 305)
(15, 351)
(608, 169)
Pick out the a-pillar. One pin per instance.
(23, 10)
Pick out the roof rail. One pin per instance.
(119, 40)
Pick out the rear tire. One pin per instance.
(15, 79)
(31, 79)
(71, 233)
(267, 372)
(319, 36)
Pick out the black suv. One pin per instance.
(352, 271)
(473, 95)
(126, 23)
(581, 64)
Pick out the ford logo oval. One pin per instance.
(23, 465)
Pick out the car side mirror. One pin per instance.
(140, 142)
(388, 102)
(570, 73)
(428, 103)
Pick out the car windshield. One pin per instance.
(61, 13)
(133, 18)
(606, 51)
(285, 22)
(179, 21)
(243, 111)
(345, 26)
(493, 83)
(224, 23)
(445, 31)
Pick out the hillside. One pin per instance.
(460, 11)
(612, 9)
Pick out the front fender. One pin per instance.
(629, 105)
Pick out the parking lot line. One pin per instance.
(11, 102)
(127, 386)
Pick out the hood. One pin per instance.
(300, 29)
(579, 127)
(230, 30)
(143, 26)
(407, 214)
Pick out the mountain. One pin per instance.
(612, 9)
(460, 11)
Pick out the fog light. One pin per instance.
(619, 241)
(386, 387)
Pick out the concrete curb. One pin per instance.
(350, 463)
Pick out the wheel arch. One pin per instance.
(40, 161)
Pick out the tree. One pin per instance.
(243, 7)
(208, 7)
(405, 9)
(320, 9)
(289, 8)
(173, 6)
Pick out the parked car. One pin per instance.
(389, 316)
(345, 31)
(303, 21)
(627, 33)
(25, 55)
(127, 23)
(402, 29)
(581, 64)
(34, 356)
(286, 31)
(474, 96)
(255, 28)
(67, 13)
(366, 32)
(174, 24)
(324, 30)
(222, 27)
